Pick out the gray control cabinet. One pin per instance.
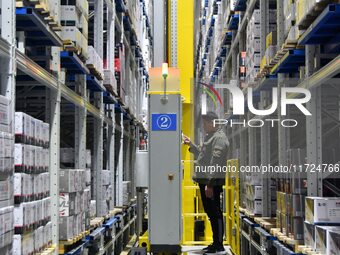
(165, 176)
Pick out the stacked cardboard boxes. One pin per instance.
(321, 227)
(253, 47)
(107, 192)
(32, 213)
(6, 177)
(74, 203)
(96, 61)
(74, 21)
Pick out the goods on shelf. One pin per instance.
(6, 227)
(110, 82)
(70, 16)
(107, 199)
(322, 209)
(120, 70)
(67, 157)
(95, 63)
(31, 185)
(323, 239)
(253, 45)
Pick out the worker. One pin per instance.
(212, 153)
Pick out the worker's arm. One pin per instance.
(193, 148)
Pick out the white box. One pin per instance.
(322, 238)
(5, 189)
(333, 241)
(67, 155)
(67, 180)
(73, 34)
(93, 209)
(67, 204)
(309, 234)
(66, 228)
(322, 209)
(7, 219)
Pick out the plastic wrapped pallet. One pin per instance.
(73, 34)
(95, 60)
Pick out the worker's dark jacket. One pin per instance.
(211, 159)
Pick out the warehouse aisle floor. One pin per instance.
(196, 250)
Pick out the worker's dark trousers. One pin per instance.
(213, 209)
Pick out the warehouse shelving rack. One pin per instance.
(254, 147)
(59, 90)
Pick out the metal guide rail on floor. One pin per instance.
(259, 235)
(106, 234)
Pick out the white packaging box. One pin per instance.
(2, 152)
(6, 190)
(322, 238)
(47, 159)
(19, 157)
(45, 179)
(84, 26)
(38, 133)
(67, 180)
(84, 46)
(256, 206)
(93, 209)
(66, 227)
(88, 177)
(47, 208)
(106, 177)
(109, 79)
(69, 14)
(22, 124)
(46, 134)
(83, 7)
(48, 233)
(6, 219)
(67, 204)
(322, 209)
(73, 34)
(309, 234)
(333, 240)
(39, 159)
(19, 184)
(257, 192)
(4, 114)
(32, 129)
(19, 213)
(87, 199)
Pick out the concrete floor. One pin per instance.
(197, 250)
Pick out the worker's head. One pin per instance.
(208, 122)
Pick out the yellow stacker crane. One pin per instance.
(175, 211)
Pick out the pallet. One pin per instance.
(48, 251)
(95, 72)
(285, 239)
(96, 222)
(110, 89)
(69, 45)
(63, 244)
(307, 250)
(266, 222)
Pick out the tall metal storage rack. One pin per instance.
(104, 108)
(254, 147)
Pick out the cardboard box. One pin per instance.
(309, 234)
(322, 209)
(66, 227)
(333, 242)
(322, 238)
(67, 180)
(67, 204)
(73, 34)
(6, 219)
